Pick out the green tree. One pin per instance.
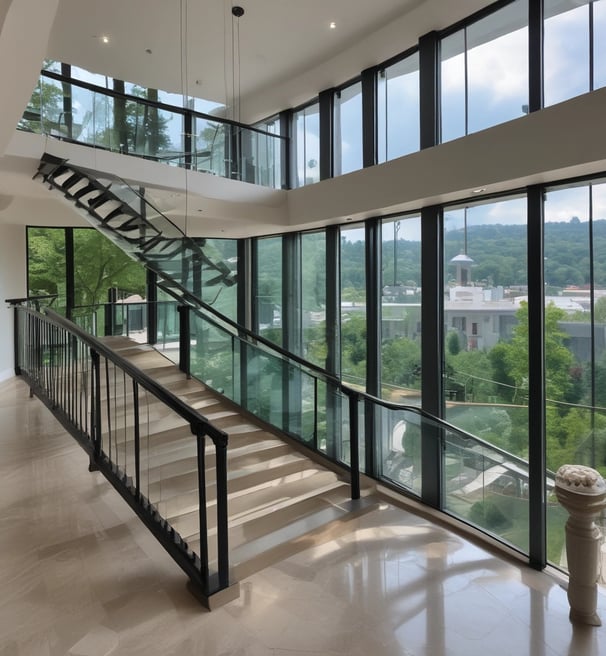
(559, 385)
(401, 362)
(98, 265)
(452, 343)
(353, 346)
(44, 108)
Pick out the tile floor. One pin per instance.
(80, 576)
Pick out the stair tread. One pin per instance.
(252, 507)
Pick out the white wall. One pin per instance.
(24, 30)
(12, 285)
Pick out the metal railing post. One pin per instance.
(16, 340)
(95, 401)
(202, 521)
(184, 339)
(354, 441)
(137, 438)
(222, 529)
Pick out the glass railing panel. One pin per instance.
(212, 355)
(301, 404)
(212, 147)
(487, 488)
(129, 125)
(265, 374)
(168, 329)
(400, 449)
(333, 422)
(90, 318)
(92, 118)
(155, 133)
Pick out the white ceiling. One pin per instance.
(191, 40)
(279, 41)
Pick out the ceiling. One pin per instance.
(186, 46)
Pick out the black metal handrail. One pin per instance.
(63, 366)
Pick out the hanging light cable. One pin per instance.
(237, 12)
(185, 97)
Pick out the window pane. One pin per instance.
(599, 44)
(401, 310)
(226, 298)
(484, 72)
(353, 306)
(269, 288)
(99, 264)
(92, 78)
(497, 67)
(566, 50)
(486, 356)
(46, 263)
(307, 145)
(348, 129)
(398, 109)
(452, 86)
(313, 275)
(575, 322)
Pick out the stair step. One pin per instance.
(266, 509)
(182, 459)
(320, 525)
(238, 482)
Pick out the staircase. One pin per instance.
(279, 500)
(184, 266)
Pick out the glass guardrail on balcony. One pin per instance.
(95, 116)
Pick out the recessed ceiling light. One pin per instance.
(332, 25)
(104, 39)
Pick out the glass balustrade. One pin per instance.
(66, 108)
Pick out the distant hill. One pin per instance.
(499, 254)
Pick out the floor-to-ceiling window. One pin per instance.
(484, 72)
(398, 109)
(575, 337)
(399, 452)
(485, 374)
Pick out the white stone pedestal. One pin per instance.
(582, 492)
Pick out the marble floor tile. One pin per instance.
(80, 576)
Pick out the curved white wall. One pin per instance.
(24, 34)
(12, 285)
